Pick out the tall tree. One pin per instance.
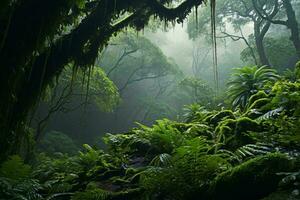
(291, 21)
(39, 38)
(238, 14)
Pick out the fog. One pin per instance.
(144, 98)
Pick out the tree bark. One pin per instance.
(259, 42)
(292, 24)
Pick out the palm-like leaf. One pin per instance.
(247, 81)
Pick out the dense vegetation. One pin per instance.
(228, 127)
(249, 152)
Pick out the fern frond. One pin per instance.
(161, 160)
(245, 152)
(271, 114)
(251, 150)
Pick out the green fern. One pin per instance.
(28, 189)
(15, 169)
(246, 152)
(271, 114)
(94, 194)
(162, 160)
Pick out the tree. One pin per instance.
(279, 49)
(39, 38)
(139, 60)
(291, 22)
(143, 75)
(198, 89)
(70, 93)
(237, 14)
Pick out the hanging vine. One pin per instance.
(214, 43)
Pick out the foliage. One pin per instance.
(247, 81)
(16, 181)
(57, 142)
(95, 194)
(218, 154)
(14, 168)
(134, 63)
(278, 49)
(199, 89)
(194, 112)
(58, 34)
(95, 88)
(259, 174)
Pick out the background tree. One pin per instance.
(70, 93)
(143, 76)
(291, 21)
(235, 16)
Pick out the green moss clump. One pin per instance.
(234, 133)
(254, 179)
(259, 95)
(259, 103)
(257, 107)
(225, 129)
(244, 124)
(215, 119)
(281, 195)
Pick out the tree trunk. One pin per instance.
(261, 51)
(27, 66)
(292, 24)
(259, 42)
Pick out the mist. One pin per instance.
(149, 99)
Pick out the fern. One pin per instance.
(28, 189)
(94, 194)
(161, 160)
(15, 169)
(271, 114)
(246, 152)
(194, 112)
(290, 179)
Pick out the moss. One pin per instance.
(282, 195)
(257, 107)
(257, 96)
(216, 118)
(259, 103)
(253, 179)
(226, 128)
(245, 124)
(234, 133)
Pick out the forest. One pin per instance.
(150, 100)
